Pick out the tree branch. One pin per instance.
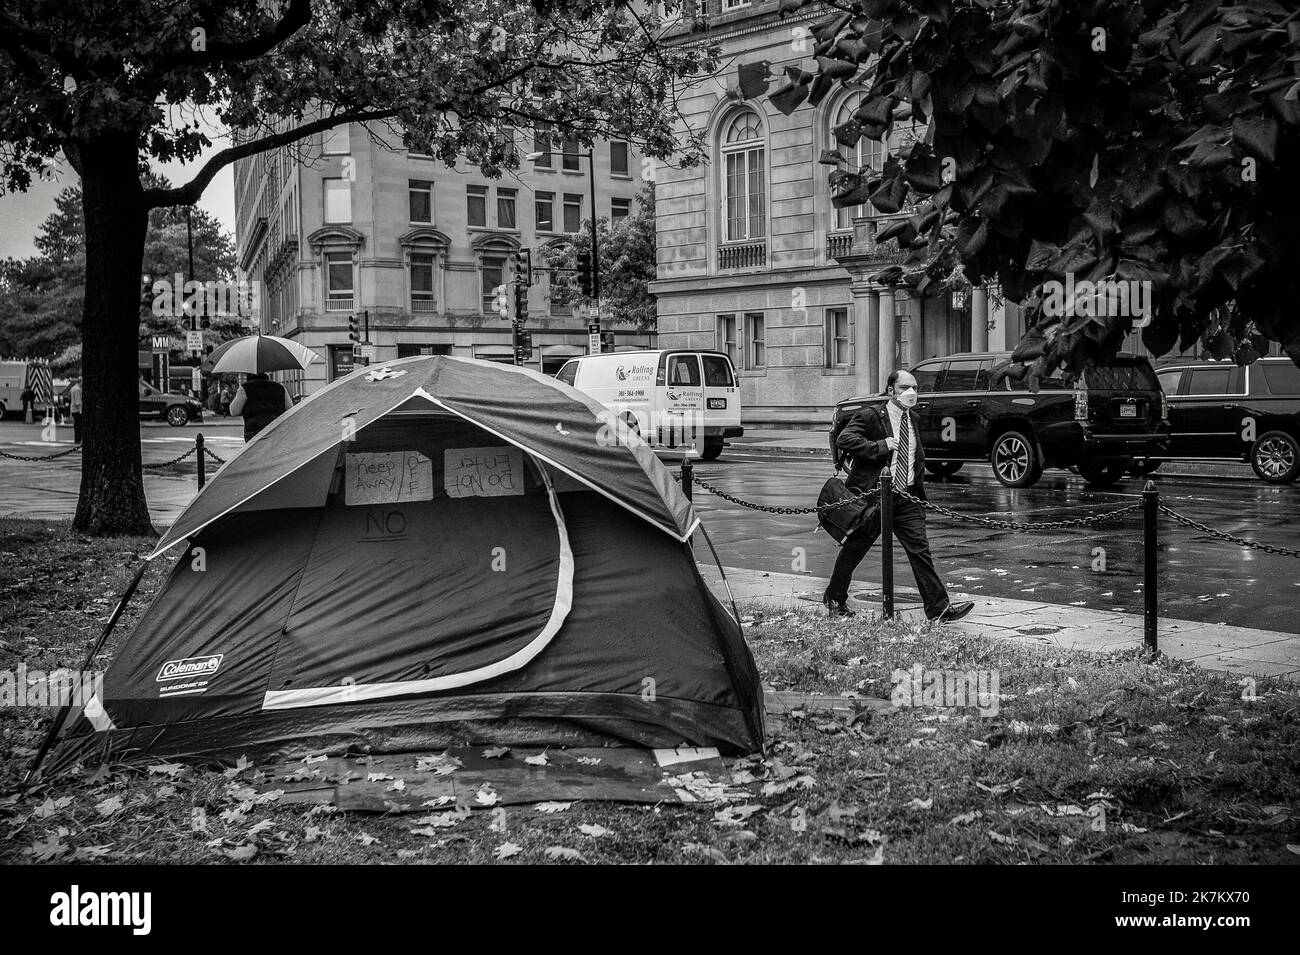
(297, 16)
(192, 190)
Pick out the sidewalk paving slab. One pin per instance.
(1242, 651)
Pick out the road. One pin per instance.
(1200, 578)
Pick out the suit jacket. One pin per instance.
(864, 438)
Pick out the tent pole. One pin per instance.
(62, 715)
(725, 583)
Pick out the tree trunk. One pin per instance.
(112, 490)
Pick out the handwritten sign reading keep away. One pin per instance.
(483, 472)
(386, 477)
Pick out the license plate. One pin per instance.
(1128, 411)
(717, 404)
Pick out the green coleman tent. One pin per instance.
(438, 551)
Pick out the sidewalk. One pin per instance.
(817, 442)
(1241, 651)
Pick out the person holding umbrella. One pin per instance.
(259, 399)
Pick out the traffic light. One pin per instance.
(523, 266)
(354, 332)
(501, 302)
(521, 302)
(584, 273)
(523, 345)
(606, 341)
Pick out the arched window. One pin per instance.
(868, 153)
(744, 179)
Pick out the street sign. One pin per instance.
(593, 338)
(196, 379)
(194, 341)
(364, 350)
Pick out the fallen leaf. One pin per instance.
(240, 853)
(262, 826)
(563, 852)
(50, 848)
(232, 817)
(198, 819)
(171, 770)
(589, 760)
(87, 853)
(366, 839)
(309, 760)
(397, 785)
(538, 760)
(1292, 847)
(735, 815)
(707, 851)
(439, 820)
(921, 803)
(486, 795)
(439, 801)
(496, 752)
(552, 807)
(965, 817)
(377, 777)
(109, 806)
(506, 850)
(593, 830)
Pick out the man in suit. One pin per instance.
(879, 437)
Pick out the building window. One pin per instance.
(421, 201)
(506, 209)
(545, 205)
(339, 289)
(338, 200)
(336, 141)
(756, 350)
(493, 273)
(839, 338)
(727, 338)
(868, 154)
(618, 158)
(745, 179)
(734, 4)
(570, 159)
(476, 205)
(619, 209)
(422, 297)
(412, 349)
(572, 212)
(542, 144)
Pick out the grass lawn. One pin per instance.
(1088, 758)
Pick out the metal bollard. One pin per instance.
(887, 543)
(1150, 514)
(200, 453)
(688, 477)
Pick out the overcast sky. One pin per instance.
(22, 213)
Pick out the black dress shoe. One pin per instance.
(957, 611)
(836, 608)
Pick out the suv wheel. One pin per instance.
(1143, 468)
(177, 416)
(1103, 475)
(712, 449)
(1015, 460)
(943, 468)
(1276, 457)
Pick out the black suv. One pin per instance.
(1219, 411)
(1116, 413)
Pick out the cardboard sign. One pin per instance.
(483, 472)
(386, 477)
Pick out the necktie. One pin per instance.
(901, 453)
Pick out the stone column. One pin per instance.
(866, 323)
(888, 338)
(979, 319)
(998, 333)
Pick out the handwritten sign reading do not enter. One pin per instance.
(483, 472)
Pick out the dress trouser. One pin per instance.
(909, 528)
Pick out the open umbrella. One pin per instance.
(259, 353)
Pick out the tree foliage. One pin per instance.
(1131, 140)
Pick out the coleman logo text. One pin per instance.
(189, 667)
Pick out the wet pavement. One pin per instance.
(1200, 578)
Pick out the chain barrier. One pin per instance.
(775, 509)
(43, 457)
(1239, 541)
(1022, 525)
(213, 455)
(167, 464)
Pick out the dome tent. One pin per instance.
(437, 551)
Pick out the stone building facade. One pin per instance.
(754, 259)
(351, 225)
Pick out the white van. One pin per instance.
(673, 398)
(13, 379)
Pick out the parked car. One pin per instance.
(176, 410)
(1218, 411)
(1115, 414)
(671, 398)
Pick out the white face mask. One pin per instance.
(906, 398)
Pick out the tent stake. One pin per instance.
(62, 715)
